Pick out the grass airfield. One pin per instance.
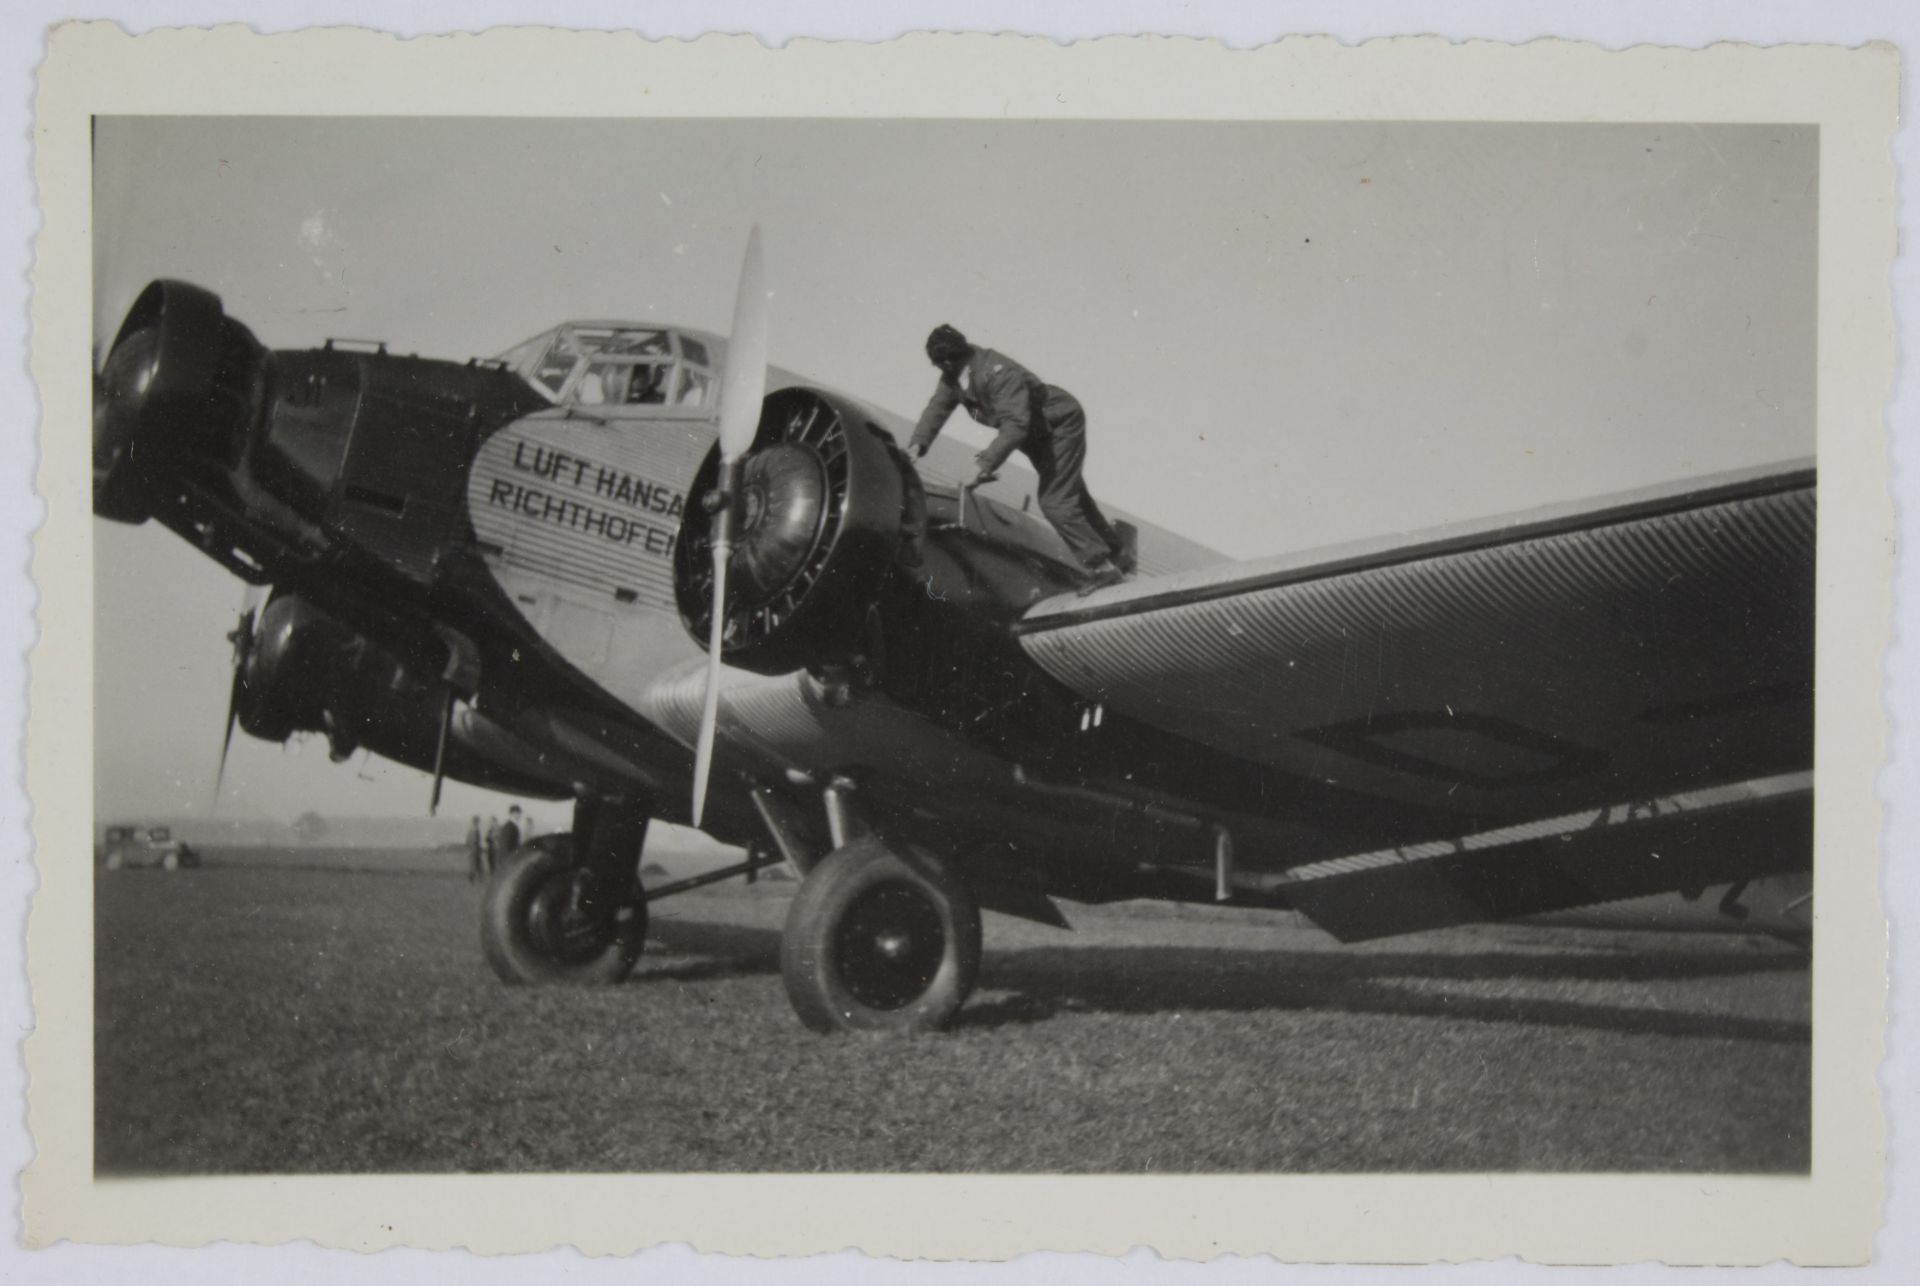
(309, 1011)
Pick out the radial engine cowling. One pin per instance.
(179, 381)
(824, 500)
(288, 668)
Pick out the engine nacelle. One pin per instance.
(825, 499)
(289, 672)
(303, 669)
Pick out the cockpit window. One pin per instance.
(695, 388)
(621, 382)
(610, 366)
(554, 368)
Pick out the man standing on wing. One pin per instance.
(1045, 423)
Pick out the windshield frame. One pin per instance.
(690, 384)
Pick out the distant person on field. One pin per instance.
(1042, 422)
(493, 843)
(476, 852)
(509, 837)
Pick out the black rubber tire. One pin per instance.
(840, 978)
(529, 887)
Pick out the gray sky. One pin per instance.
(1285, 335)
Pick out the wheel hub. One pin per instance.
(563, 922)
(890, 945)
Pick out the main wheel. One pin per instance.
(542, 924)
(880, 941)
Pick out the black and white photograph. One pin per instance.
(953, 645)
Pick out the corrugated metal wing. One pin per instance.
(1520, 669)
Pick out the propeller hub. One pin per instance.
(815, 514)
(782, 490)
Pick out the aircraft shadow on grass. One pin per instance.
(1046, 982)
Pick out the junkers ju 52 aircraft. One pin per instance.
(504, 571)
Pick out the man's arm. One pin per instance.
(1009, 407)
(946, 396)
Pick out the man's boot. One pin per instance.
(1101, 575)
(1126, 546)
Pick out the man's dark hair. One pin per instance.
(946, 344)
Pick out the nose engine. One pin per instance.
(181, 381)
(825, 503)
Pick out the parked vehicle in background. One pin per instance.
(147, 846)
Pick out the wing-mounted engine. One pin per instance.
(301, 669)
(283, 668)
(826, 502)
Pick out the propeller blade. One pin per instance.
(710, 703)
(742, 390)
(745, 384)
(226, 742)
(242, 639)
(440, 753)
(119, 206)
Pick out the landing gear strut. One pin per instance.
(880, 938)
(569, 908)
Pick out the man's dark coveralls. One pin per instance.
(1045, 423)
